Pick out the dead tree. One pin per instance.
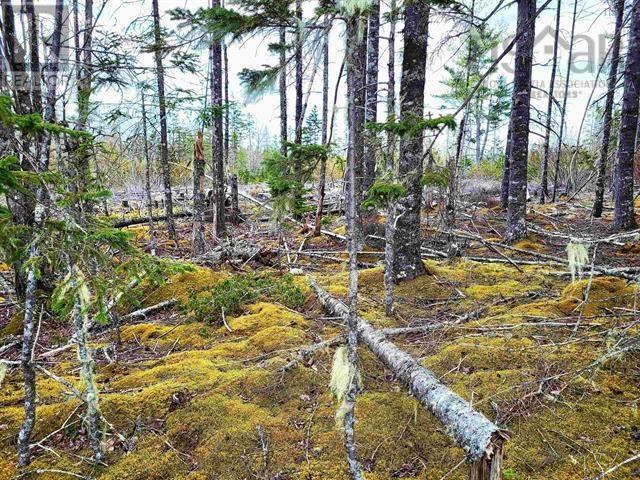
(147, 177)
(282, 90)
(608, 110)
(198, 195)
(480, 438)
(624, 215)
(563, 112)
(544, 174)
(371, 105)
(162, 110)
(217, 143)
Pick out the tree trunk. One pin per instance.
(563, 113)
(299, 93)
(235, 204)
(356, 64)
(51, 83)
(325, 125)
(544, 183)
(506, 169)
(164, 148)
(147, 177)
(480, 438)
(371, 106)
(408, 260)
(608, 110)
(28, 338)
(516, 222)
(80, 330)
(227, 126)
(283, 92)
(217, 143)
(624, 215)
(391, 85)
(198, 196)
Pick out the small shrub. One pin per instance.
(232, 294)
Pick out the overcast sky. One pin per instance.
(593, 29)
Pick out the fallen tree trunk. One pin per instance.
(139, 221)
(480, 438)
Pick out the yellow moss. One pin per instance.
(505, 289)
(533, 245)
(190, 335)
(277, 338)
(342, 230)
(152, 459)
(4, 267)
(604, 294)
(182, 285)
(14, 327)
(263, 315)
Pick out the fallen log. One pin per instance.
(480, 438)
(143, 312)
(140, 220)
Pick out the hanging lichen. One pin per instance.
(342, 374)
(578, 257)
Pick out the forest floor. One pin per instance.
(551, 360)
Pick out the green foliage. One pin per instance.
(382, 192)
(411, 125)
(259, 82)
(436, 177)
(232, 294)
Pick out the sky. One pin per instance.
(593, 29)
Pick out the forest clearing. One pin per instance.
(390, 252)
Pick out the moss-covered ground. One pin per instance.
(187, 399)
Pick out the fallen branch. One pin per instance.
(481, 439)
(143, 312)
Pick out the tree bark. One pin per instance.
(408, 261)
(391, 85)
(356, 65)
(608, 110)
(217, 143)
(506, 169)
(164, 147)
(298, 82)
(147, 178)
(480, 438)
(198, 196)
(371, 106)
(322, 180)
(283, 92)
(544, 174)
(563, 113)
(623, 213)
(516, 222)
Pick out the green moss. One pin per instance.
(604, 293)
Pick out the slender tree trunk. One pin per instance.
(563, 113)
(51, 82)
(80, 327)
(164, 147)
(408, 239)
(544, 183)
(391, 85)
(227, 126)
(217, 137)
(147, 177)
(283, 92)
(356, 65)
(506, 168)
(371, 106)
(608, 110)
(623, 214)
(520, 115)
(28, 337)
(235, 204)
(325, 125)
(299, 70)
(198, 196)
